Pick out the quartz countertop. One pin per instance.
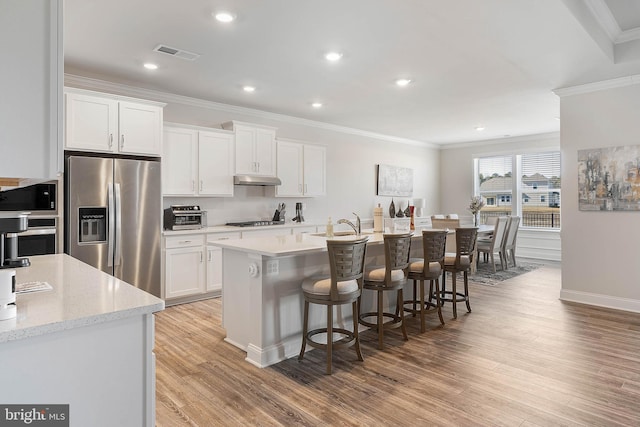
(230, 228)
(81, 295)
(292, 245)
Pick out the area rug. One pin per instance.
(486, 276)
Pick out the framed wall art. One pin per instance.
(609, 179)
(394, 181)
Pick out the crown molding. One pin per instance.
(605, 19)
(540, 137)
(102, 85)
(597, 86)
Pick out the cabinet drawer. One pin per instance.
(222, 236)
(183, 241)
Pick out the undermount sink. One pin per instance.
(342, 233)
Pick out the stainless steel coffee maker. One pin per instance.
(12, 223)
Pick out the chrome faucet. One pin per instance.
(356, 227)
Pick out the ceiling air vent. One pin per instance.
(178, 53)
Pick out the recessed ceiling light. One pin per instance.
(224, 16)
(249, 88)
(316, 104)
(150, 66)
(403, 82)
(333, 56)
(479, 128)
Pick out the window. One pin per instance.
(494, 184)
(534, 176)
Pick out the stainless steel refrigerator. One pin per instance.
(113, 217)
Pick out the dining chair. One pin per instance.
(390, 277)
(459, 262)
(488, 247)
(344, 286)
(509, 245)
(427, 268)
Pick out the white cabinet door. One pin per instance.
(91, 123)
(290, 169)
(255, 149)
(214, 269)
(315, 170)
(140, 129)
(265, 149)
(184, 271)
(215, 164)
(245, 151)
(179, 161)
(31, 77)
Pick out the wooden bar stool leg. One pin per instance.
(329, 337)
(466, 291)
(422, 302)
(305, 326)
(414, 298)
(355, 330)
(438, 301)
(399, 306)
(380, 322)
(453, 294)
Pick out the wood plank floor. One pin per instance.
(521, 358)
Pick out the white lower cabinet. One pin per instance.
(193, 268)
(184, 266)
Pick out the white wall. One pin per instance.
(351, 162)
(600, 250)
(456, 176)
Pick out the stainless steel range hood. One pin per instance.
(256, 180)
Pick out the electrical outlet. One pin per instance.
(273, 267)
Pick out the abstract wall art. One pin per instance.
(609, 179)
(394, 181)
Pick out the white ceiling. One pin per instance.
(490, 63)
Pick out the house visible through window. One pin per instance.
(536, 179)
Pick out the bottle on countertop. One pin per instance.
(377, 219)
(329, 231)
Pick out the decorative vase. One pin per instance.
(400, 213)
(392, 209)
(475, 219)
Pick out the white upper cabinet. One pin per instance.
(302, 169)
(197, 162)
(215, 163)
(255, 148)
(31, 85)
(103, 123)
(179, 161)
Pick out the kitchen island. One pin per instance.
(262, 302)
(87, 342)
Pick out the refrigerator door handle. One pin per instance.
(118, 246)
(112, 221)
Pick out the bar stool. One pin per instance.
(390, 277)
(427, 268)
(344, 286)
(460, 262)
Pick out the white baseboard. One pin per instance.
(599, 300)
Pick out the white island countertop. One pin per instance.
(299, 244)
(81, 296)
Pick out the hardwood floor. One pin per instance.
(521, 358)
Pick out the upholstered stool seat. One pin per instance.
(344, 286)
(391, 277)
(427, 268)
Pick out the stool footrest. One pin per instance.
(395, 322)
(347, 341)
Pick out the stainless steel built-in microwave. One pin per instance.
(37, 197)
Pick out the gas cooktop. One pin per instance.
(254, 223)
